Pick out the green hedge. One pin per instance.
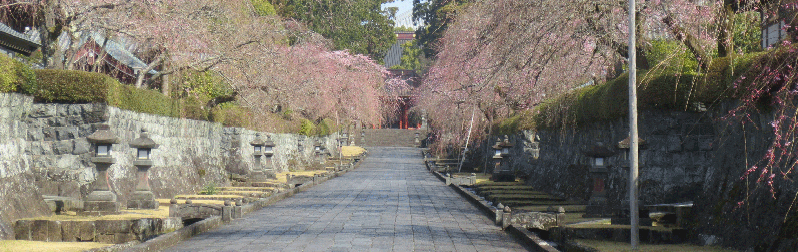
(663, 89)
(16, 76)
(81, 87)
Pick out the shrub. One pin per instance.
(231, 115)
(15, 76)
(263, 7)
(210, 189)
(193, 108)
(307, 128)
(72, 86)
(206, 84)
(671, 55)
(326, 127)
(83, 87)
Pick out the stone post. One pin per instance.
(506, 217)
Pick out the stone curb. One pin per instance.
(529, 239)
(169, 239)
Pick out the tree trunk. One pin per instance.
(143, 72)
(165, 85)
(100, 56)
(725, 26)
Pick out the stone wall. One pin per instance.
(678, 152)
(44, 151)
(688, 156)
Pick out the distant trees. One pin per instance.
(359, 26)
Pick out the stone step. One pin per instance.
(254, 194)
(390, 137)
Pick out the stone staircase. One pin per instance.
(390, 137)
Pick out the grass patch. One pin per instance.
(246, 188)
(165, 202)
(281, 176)
(607, 224)
(514, 187)
(568, 208)
(209, 197)
(352, 151)
(571, 218)
(622, 246)
(15, 245)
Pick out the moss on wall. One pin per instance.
(660, 89)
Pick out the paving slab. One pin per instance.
(390, 203)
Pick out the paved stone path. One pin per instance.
(390, 203)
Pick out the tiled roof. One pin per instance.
(118, 52)
(16, 41)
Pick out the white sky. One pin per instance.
(404, 6)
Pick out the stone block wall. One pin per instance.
(688, 156)
(678, 153)
(44, 151)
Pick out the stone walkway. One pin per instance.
(390, 203)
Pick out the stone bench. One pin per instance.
(673, 214)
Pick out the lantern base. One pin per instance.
(258, 176)
(100, 203)
(143, 200)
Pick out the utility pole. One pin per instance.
(633, 209)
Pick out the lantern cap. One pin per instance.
(498, 145)
(624, 144)
(258, 141)
(268, 142)
(103, 135)
(506, 142)
(144, 141)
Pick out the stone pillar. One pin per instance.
(101, 200)
(143, 198)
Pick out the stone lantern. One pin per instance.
(101, 200)
(621, 215)
(416, 139)
(362, 137)
(258, 148)
(502, 170)
(143, 197)
(624, 145)
(599, 168)
(265, 149)
(319, 150)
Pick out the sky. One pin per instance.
(404, 6)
